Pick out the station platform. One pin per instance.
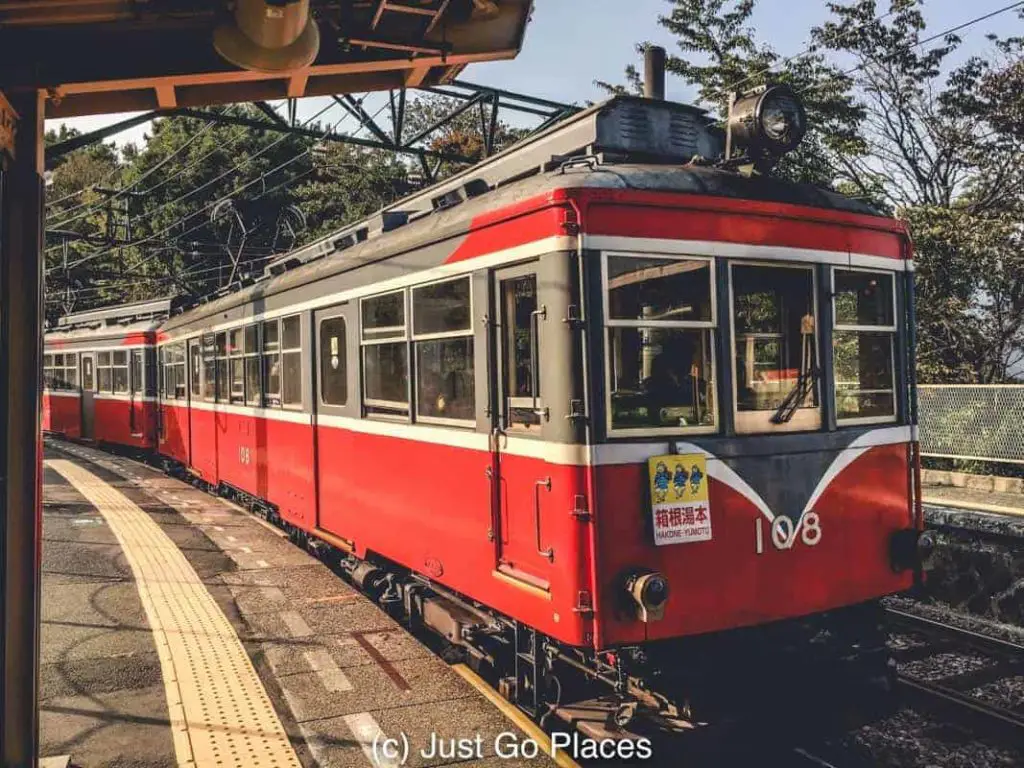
(178, 630)
(974, 499)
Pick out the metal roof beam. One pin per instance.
(312, 133)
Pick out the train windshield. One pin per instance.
(776, 362)
(660, 323)
(662, 327)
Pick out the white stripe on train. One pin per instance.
(607, 454)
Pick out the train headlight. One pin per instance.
(649, 592)
(767, 122)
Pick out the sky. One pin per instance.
(572, 43)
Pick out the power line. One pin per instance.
(193, 191)
(195, 137)
(807, 51)
(931, 39)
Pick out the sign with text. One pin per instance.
(680, 509)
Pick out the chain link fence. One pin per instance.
(972, 421)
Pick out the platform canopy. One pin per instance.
(100, 56)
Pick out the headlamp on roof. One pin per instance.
(763, 125)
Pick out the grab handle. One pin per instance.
(549, 553)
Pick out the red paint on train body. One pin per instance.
(726, 582)
(428, 505)
(62, 413)
(124, 421)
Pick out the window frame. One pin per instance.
(893, 331)
(236, 353)
(291, 351)
(789, 427)
(253, 400)
(386, 409)
(414, 339)
(322, 355)
(711, 326)
(265, 393)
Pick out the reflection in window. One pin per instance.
(271, 364)
(386, 376)
(333, 362)
(863, 345)
(660, 335)
(385, 354)
(520, 351)
(443, 341)
(445, 387)
(209, 367)
(196, 368)
(659, 289)
(863, 299)
(774, 328)
(291, 361)
(223, 386)
(661, 377)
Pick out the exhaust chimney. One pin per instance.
(654, 72)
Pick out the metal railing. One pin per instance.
(984, 422)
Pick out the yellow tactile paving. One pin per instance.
(220, 713)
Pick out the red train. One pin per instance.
(605, 416)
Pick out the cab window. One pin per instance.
(660, 320)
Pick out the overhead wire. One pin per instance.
(930, 39)
(205, 185)
(121, 192)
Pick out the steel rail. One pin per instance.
(1000, 724)
(986, 644)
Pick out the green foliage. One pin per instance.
(943, 151)
(720, 55)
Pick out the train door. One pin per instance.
(334, 359)
(88, 390)
(521, 485)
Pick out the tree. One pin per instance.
(721, 55)
(944, 152)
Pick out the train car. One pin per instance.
(99, 370)
(605, 408)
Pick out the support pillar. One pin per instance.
(21, 303)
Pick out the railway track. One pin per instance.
(948, 697)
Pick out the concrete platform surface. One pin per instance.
(341, 677)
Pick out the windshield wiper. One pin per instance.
(804, 382)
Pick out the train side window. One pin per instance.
(291, 362)
(864, 345)
(443, 345)
(71, 370)
(57, 374)
(520, 352)
(195, 367)
(209, 368)
(252, 365)
(223, 385)
(272, 364)
(333, 350)
(236, 365)
(48, 371)
(659, 339)
(138, 383)
(104, 374)
(120, 366)
(180, 372)
(385, 354)
(88, 376)
(166, 373)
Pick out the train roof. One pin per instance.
(113, 322)
(625, 143)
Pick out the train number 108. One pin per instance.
(784, 532)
